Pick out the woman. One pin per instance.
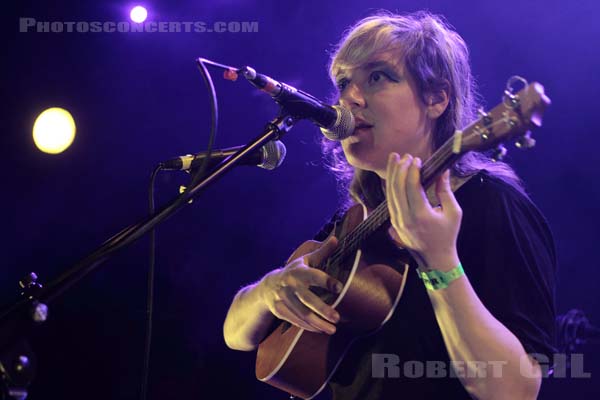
(407, 81)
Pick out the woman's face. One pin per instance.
(390, 116)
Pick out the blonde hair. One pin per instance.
(438, 59)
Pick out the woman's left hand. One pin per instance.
(429, 231)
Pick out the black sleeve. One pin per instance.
(508, 253)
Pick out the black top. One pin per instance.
(508, 254)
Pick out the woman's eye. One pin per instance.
(342, 84)
(376, 76)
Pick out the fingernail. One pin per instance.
(331, 331)
(335, 317)
(417, 162)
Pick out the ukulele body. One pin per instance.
(301, 362)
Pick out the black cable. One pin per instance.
(214, 111)
(150, 294)
(183, 197)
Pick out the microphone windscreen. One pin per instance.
(273, 154)
(343, 127)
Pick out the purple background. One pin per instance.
(138, 98)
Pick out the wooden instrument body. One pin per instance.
(301, 362)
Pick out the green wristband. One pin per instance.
(435, 279)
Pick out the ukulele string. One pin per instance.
(379, 216)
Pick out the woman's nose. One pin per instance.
(352, 97)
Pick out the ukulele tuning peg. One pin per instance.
(499, 153)
(510, 98)
(486, 118)
(525, 141)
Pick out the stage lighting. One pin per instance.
(138, 14)
(54, 130)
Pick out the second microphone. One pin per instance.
(270, 156)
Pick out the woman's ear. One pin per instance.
(437, 102)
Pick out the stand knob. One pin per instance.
(21, 364)
(39, 313)
(27, 280)
(31, 287)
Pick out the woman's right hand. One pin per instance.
(285, 291)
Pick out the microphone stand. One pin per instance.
(17, 362)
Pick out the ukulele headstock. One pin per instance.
(513, 118)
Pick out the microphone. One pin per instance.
(270, 156)
(336, 122)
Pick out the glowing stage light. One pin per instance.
(138, 14)
(54, 130)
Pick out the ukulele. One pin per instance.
(301, 362)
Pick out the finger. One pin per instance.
(318, 306)
(388, 184)
(316, 277)
(304, 313)
(283, 312)
(417, 200)
(445, 196)
(391, 194)
(389, 175)
(399, 187)
(392, 159)
(317, 257)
